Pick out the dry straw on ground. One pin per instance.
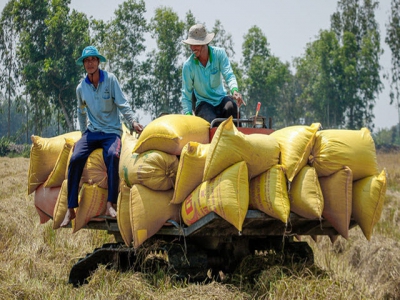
(35, 260)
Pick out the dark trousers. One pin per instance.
(225, 109)
(90, 141)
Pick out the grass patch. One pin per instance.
(35, 260)
(390, 161)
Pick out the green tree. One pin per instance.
(265, 75)
(166, 83)
(255, 52)
(50, 40)
(393, 40)
(29, 17)
(306, 74)
(321, 76)
(289, 109)
(223, 39)
(126, 46)
(9, 68)
(387, 137)
(356, 25)
(66, 35)
(17, 121)
(255, 45)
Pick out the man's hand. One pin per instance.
(137, 127)
(238, 98)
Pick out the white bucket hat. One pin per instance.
(198, 35)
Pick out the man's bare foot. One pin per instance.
(70, 215)
(110, 211)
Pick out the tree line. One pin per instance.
(336, 82)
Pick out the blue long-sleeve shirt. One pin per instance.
(99, 108)
(206, 81)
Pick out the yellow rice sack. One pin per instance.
(170, 133)
(226, 194)
(57, 176)
(68, 160)
(43, 157)
(127, 158)
(123, 216)
(190, 170)
(61, 207)
(154, 169)
(368, 198)
(305, 194)
(45, 201)
(295, 143)
(337, 190)
(125, 132)
(229, 146)
(95, 170)
(336, 148)
(149, 211)
(268, 193)
(92, 203)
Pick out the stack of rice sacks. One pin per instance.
(47, 170)
(148, 169)
(47, 177)
(333, 174)
(174, 172)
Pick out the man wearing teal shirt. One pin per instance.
(100, 102)
(202, 76)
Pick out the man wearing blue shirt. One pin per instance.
(100, 101)
(202, 77)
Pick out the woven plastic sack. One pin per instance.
(230, 146)
(226, 194)
(61, 207)
(337, 190)
(149, 211)
(268, 193)
(125, 132)
(154, 169)
(123, 216)
(92, 203)
(170, 133)
(305, 194)
(95, 170)
(295, 143)
(336, 148)
(43, 157)
(190, 170)
(127, 158)
(69, 159)
(368, 198)
(45, 201)
(57, 176)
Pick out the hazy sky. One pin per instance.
(288, 25)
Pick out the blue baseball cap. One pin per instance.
(90, 51)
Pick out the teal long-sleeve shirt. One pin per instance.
(99, 108)
(206, 81)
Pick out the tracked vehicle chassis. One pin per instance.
(205, 248)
